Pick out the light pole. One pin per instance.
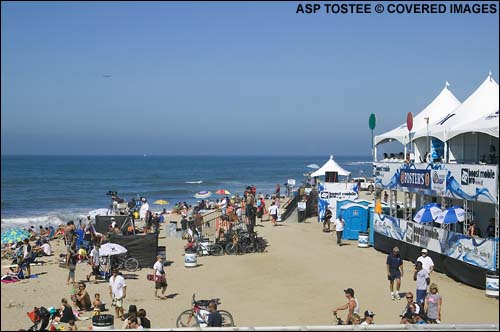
(428, 145)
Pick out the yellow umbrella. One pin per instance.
(162, 202)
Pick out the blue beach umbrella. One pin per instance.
(15, 235)
(203, 194)
(451, 215)
(428, 213)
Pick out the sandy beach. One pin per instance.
(299, 280)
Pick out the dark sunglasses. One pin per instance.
(409, 297)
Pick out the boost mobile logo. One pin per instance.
(464, 179)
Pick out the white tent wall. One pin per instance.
(421, 149)
(471, 148)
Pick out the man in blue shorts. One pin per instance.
(394, 271)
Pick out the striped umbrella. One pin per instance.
(451, 215)
(428, 213)
(14, 235)
(223, 192)
(203, 194)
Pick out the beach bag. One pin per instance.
(279, 217)
(150, 277)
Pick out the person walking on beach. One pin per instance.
(327, 221)
(421, 276)
(301, 209)
(395, 271)
(118, 292)
(278, 190)
(432, 305)
(352, 305)
(160, 279)
(71, 261)
(427, 262)
(339, 229)
(273, 213)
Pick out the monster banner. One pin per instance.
(475, 251)
(465, 181)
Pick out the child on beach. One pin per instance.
(97, 304)
(72, 326)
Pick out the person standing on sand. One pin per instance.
(339, 229)
(421, 276)
(160, 279)
(273, 213)
(95, 262)
(427, 262)
(395, 271)
(328, 218)
(432, 305)
(118, 292)
(278, 190)
(352, 305)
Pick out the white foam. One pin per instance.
(194, 182)
(50, 219)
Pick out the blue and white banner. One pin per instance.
(469, 182)
(329, 193)
(475, 251)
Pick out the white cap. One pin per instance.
(424, 250)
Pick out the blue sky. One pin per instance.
(225, 78)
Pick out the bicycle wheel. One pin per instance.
(187, 319)
(227, 318)
(131, 264)
(231, 249)
(250, 248)
(216, 250)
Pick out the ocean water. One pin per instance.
(43, 190)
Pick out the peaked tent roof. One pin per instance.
(487, 125)
(330, 166)
(443, 104)
(480, 103)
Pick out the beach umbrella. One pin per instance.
(162, 202)
(223, 192)
(15, 235)
(451, 215)
(203, 194)
(428, 213)
(314, 166)
(110, 249)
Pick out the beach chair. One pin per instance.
(51, 233)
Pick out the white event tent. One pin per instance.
(487, 125)
(330, 166)
(443, 104)
(481, 103)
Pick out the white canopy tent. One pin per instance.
(330, 166)
(487, 124)
(481, 103)
(443, 104)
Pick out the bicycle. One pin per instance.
(212, 249)
(338, 319)
(198, 315)
(124, 261)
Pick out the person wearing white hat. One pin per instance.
(427, 262)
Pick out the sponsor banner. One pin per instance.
(478, 252)
(415, 178)
(438, 181)
(469, 182)
(329, 193)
